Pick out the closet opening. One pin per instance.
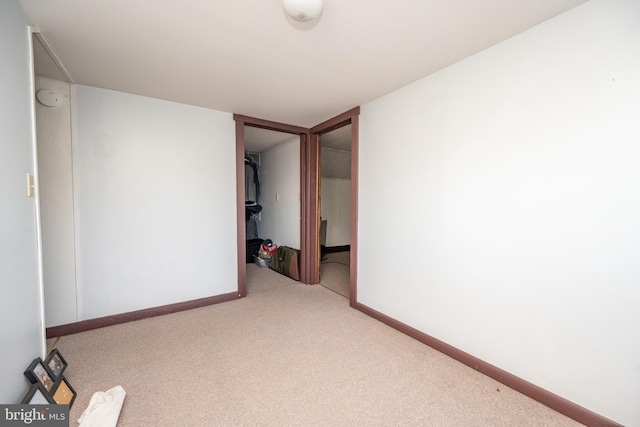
(335, 209)
(268, 177)
(53, 93)
(272, 199)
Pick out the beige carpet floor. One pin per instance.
(334, 272)
(286, 355)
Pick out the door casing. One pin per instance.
(310, 195)
(349, 117)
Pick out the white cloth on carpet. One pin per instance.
(104, 408)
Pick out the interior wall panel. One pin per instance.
(55, 169)
(505, 193)
(156, 204)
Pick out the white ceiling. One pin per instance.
(338, 139)
(257, 140)
(247, 57)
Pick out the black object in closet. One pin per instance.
(249, 162)
(252, 207)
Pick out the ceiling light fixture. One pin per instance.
(303, 10)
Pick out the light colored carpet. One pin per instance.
(334, 272)
(286, 355)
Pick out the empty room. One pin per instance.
(322, 212)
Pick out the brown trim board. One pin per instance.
(268, 124)
(100, 322)
(311, 209)
(336, 122)
(553, 401)
(335, 249)
(355, 156)
(240, 212)
(306, 235)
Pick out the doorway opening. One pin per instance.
(335, 209)
(272, 197)
(310, 197)
(253, 136)
(346, 128)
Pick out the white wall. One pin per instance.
(55, 170)
(280, 174)
(21, 320)
(336, 209)
(155, 202)
(512, 179)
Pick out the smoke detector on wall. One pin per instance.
(48, 98)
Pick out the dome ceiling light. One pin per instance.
(303, 10)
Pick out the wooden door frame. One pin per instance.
(349, 117)
(309, 195)
(309, 212)
(241, 122)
